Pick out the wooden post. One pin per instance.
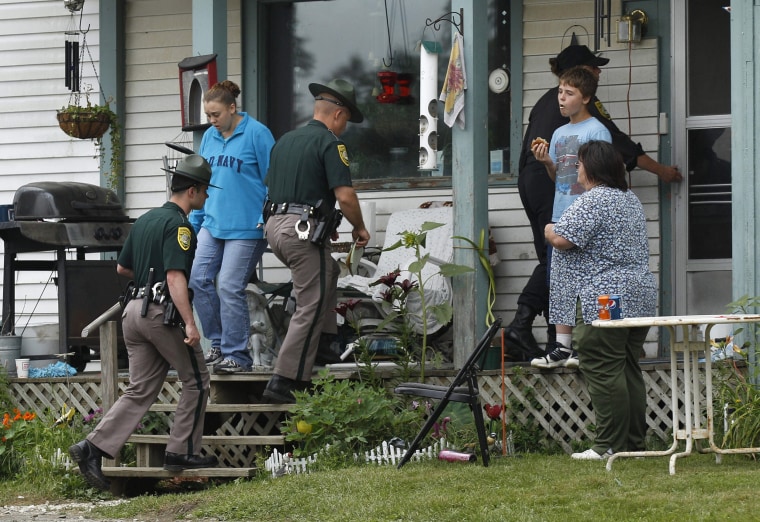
(109, 366)
(109, 373)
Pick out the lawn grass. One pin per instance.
(527, 488)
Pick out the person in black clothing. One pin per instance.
(537, 195)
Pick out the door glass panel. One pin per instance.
(709, 193)
(709, 58)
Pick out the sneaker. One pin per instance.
(553, 359)
(572, 361)
(230, 366)
(590, 454)
(213, 356)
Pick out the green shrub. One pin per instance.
(349, 416)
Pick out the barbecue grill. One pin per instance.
(70, 219)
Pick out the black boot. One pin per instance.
(518, 336)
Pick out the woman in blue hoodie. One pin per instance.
(230, 230)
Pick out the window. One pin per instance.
(355, 40)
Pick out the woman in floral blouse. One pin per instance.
(601, 248)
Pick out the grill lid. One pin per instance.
(70, 201)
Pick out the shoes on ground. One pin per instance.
(280, 389)
(572, 361)
(554, 359)
(590, 454)
(88, 457)
(213, 356)
(176, 462)
(230, 366)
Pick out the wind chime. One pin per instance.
(75, 120)
(74, 54)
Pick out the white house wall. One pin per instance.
(32, 147)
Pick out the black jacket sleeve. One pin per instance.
(620, 140)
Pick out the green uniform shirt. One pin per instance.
(162, 239)
(306, 165)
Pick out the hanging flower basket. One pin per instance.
(84, 125)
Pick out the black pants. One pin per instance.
(537, 196)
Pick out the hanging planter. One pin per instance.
(92, 122)
(81, 119)
(83, 123)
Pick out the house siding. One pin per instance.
(32, 147)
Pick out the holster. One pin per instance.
(329, 221)
(267, 210)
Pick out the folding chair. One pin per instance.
(464, 389)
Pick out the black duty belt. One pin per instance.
(294, 208)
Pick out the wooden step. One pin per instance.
(217, 440)
(159, 472)
(230, 408)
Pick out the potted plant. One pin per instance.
(91, 122)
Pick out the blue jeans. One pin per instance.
(221, 271)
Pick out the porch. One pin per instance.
(238, 425)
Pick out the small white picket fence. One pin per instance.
(283, 463)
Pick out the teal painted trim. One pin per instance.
(516, 82)
(470, 180)
(252, 45)
(112, 76)
(745, 155)
(209, 37)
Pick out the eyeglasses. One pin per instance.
(577, 164)
(336, 102)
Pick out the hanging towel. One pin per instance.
(454, 85)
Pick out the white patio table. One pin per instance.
(692, 349)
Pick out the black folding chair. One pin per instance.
(463, 389)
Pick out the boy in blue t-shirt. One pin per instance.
(577, 87)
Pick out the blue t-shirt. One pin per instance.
(563, 150)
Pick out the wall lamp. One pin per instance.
(631, 27)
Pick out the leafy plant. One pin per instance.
(481, 249)
(400, 294)
(347, 416)
(89, 113)
(738, 395)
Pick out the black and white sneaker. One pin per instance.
(213, 356)
(230, 366)
(553, 359)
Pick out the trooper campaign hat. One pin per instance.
(574, 55)
(344, 92)
(193, 167)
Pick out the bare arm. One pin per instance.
(349, 205)
(541, 152)
(667, 173)
(124, 271)
(178, 290)
(556, 241)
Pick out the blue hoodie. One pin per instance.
(238, 165)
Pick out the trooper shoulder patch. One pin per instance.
(343, 153)
(602, 110)
(183, 238)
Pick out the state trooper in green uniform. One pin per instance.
(161, 247)
(309, 173)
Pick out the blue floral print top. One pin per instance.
(610, 256)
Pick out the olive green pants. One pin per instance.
(609, 362)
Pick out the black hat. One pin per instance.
(574, 55)
(345, 94)
(194, 167)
